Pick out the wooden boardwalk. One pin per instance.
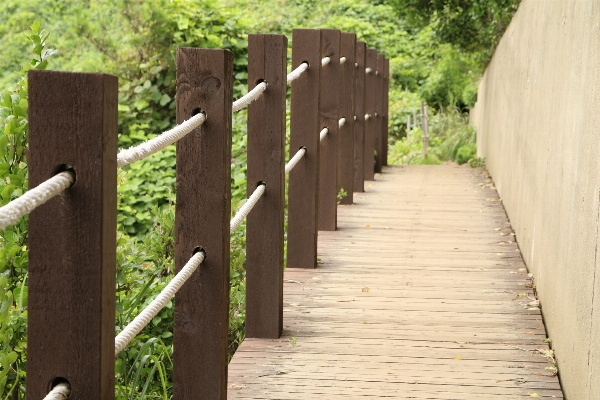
(421, 293)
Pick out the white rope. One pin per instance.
(62, 391)
(295, 74)
(144, 318)
(297, 157)
(136, 153)
(323, 133)
(252, 95)
(341, 122)
(368, 70)
(355, 117)
(246, 208)
(325, 61)
(342, 60)
(12, 212)
(367, 116)
(355, 65)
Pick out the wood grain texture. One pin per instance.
(379, 119)
(267, 60)
(386, 100)
(303, 181)
(204, 81)
(359, 111)
(345, 166)
(416, 296)
(370, 108)
(72, 242)
(329, 118)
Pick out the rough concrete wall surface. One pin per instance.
(538, 125)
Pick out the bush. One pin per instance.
(465, 153)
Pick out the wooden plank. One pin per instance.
(434, 307)
(359, 112)
(329, 118)
(386, 100)
(303, 183)
(204, 82)
(267, 61)
(379, 118)
(72, 243)
(345, 166)
(370, 110)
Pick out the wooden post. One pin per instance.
(371, 123)
(204, 82)
(303, 184)
(359, 112)
(267, 61)
(379, 114)
(329, 118)
(345, 180)
(72, 238)
(386, 100)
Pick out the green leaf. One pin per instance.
(165, 98)
(36, 27)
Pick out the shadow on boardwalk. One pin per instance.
(421, 293)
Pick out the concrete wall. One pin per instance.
(538, 123)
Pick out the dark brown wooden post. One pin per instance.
(379, 113)
(267, 61)
(386, 100)
(345, 165)
(72, 238)
(359, 111)
(329, 118)
(204, 82)
(370, 110)
(303, 183)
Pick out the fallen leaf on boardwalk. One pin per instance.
(457, 358)
(285, 371)
(535, 395)
(365, 322)
(235, 386)
(294, 304)
(366, 289)
(367, 225)
(538, 374)
(512, 272)
(484, 269)
(527, 333)
(522, 269)
(369, 185)
(497, 229)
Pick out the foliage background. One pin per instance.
(437, 49)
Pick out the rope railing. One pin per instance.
(323, 133)
(266, 143)
(294, 160)
(154, 145)
(252, 95)
(12, 212)
(247, 207)
(134, 327)
(61, 391)
(295, 74)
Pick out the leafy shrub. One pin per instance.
(465, 153)
(13, 253)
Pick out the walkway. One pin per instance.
(421, 293)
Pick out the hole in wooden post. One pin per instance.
(66, 168)
(198, 110)
(197, 250)
(57, 381)
(261, 183)
(259, 81)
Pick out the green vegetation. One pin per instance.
(437, 50)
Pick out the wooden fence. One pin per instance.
(72, 266)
